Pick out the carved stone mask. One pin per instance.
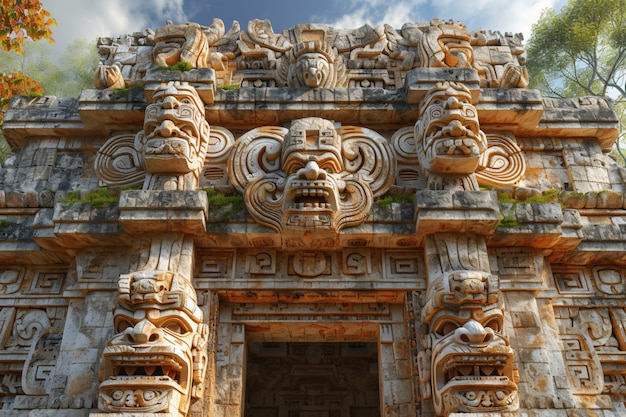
(312, 69)
(472, 365)
(311, 176)
(471, 362)
(175, 133)
(157, 360)
(447, 134)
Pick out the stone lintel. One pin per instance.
(420, 81)
(163, 211)
(40, 116)
(77, 225)
(313, 296)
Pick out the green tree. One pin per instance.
(581, 50)
(26, 66)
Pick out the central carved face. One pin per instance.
(156, 361)
(313, 163)
(448, 135)
(312, 176)
(175, 132)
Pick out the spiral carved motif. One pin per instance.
(502, 163)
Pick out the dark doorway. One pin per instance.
(312, 380)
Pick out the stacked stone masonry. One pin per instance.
(371, 222)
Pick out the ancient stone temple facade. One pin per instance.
(367, 222)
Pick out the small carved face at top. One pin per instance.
(155, 362)
(448, 135)
(175, 131)
(311, 70)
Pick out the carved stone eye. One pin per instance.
(176, 326)
(123, 324)
(446, 328)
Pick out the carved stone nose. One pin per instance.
(473, 333)
(143, 332)
(166, 129)
(313, 77)
(453, 103)
(455, 129)
(170, 103)
(312, 172)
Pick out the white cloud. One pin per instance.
(510, 16)
(88, 19)
(506, 16)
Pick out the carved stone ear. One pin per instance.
(368, 155)
(503, 162)
(118, 163)
(255, 155)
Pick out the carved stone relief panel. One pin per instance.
(436, 147)
(314, 175)
(11, 279)
(313, 55)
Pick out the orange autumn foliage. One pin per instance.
(21, 20)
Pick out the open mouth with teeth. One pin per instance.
(152, 368)
(473, 366)
(474, 382)
(311, 195)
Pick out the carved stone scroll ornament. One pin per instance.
(313, 175)
(169, 152)
(446, 44)
(157, 360)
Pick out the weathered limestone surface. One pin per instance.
(370, 222)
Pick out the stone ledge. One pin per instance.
(202, 79)
(420, 81)
(163, 211)
(535, 225)
(456, 211)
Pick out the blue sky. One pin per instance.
(88, 19)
